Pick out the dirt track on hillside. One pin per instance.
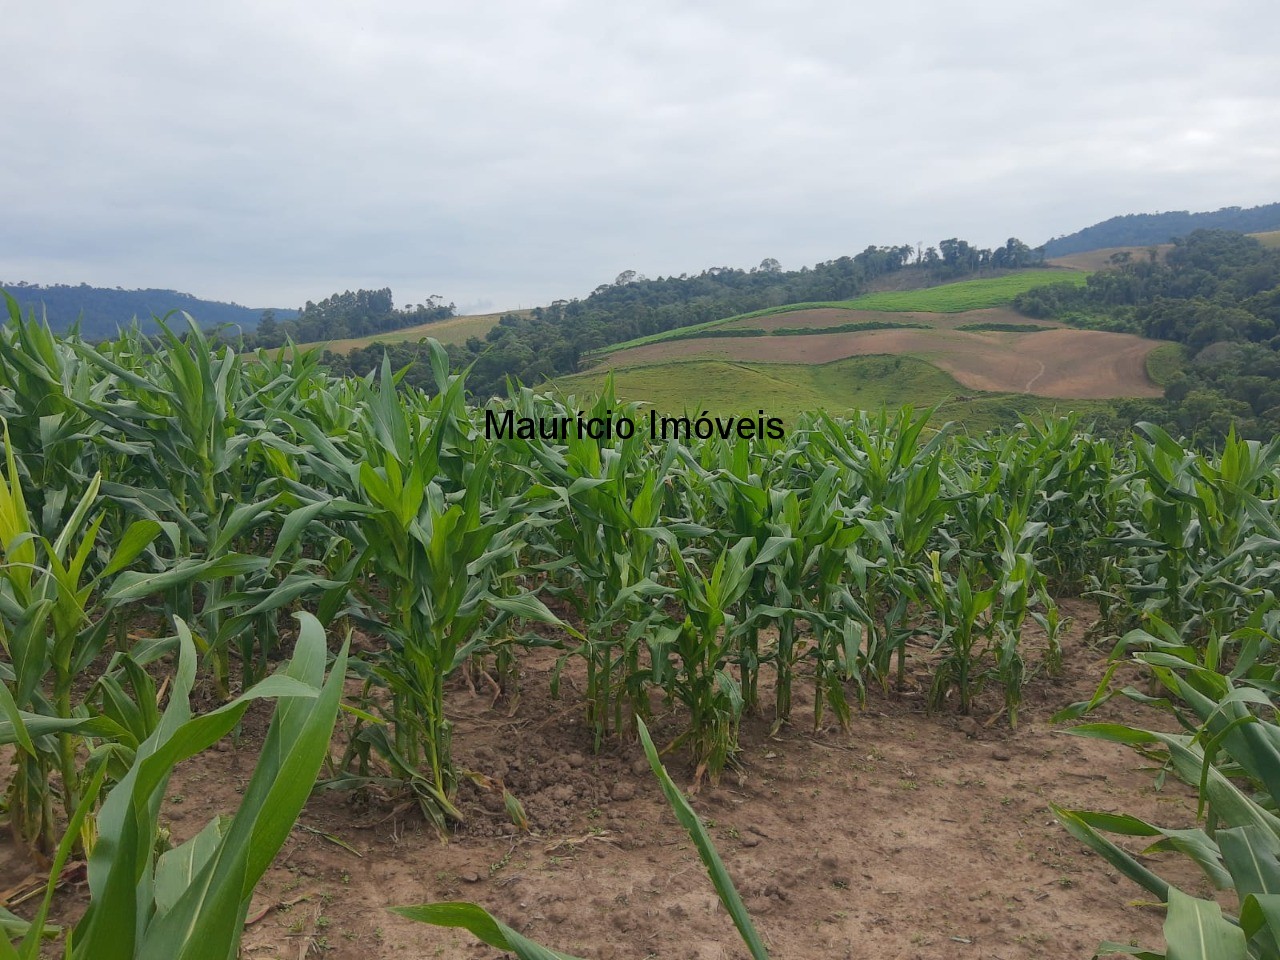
(1062, 363)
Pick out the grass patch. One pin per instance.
(1004, 327)
(724, 387)
(1269, 239)
(1164, 362)
(966, 294)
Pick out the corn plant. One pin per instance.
(45, 387)
(901, 478)
(807, 582)
(185, 414)
(599, 505)
(432, 555)
(964, 625)
(50, 638)
(191, 901)
(732, 492)
(1223, 695)
(689, 657)
(1198, 539)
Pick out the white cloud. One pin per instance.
(515, 152)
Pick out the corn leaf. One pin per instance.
(482, 925)
(727, 892)
(1196, 930)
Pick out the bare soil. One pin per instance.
(911, 836)
(1061, 363)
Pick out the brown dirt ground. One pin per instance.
(1062, 363)
(911, 837)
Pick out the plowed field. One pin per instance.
(1061, 363)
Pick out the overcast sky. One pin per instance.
(505, 154)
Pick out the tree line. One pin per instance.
(360, 313)
(1216, 292)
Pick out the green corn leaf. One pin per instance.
(526, 606)
(1197, 845)
(1115, 732)
(1196, 930)
(136, 538)
(177, 869)
(1260, 919)
(1079, 827)
(1252, 855)
(482, 925)
(241, 518)
(133, 585)
(706, 849)
(14, 730)
(31, 725)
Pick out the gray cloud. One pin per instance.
(508, 154)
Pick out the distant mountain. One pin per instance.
(1148, 229)
(104, 310)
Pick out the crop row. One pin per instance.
(221, 493)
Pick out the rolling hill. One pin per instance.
(957, 345)
(955, 297)
(1150, 229)
(102, 310)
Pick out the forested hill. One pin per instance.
(104, 310)
(1218, 294)
(553, 340)
(1147, 229)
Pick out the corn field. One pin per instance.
(169, 509)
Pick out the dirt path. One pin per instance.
(1032, 382)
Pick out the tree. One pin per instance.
(269, 332)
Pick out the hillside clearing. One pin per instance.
(1061, 363)
(454, 330)
(960, 297)
(1093, 260)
